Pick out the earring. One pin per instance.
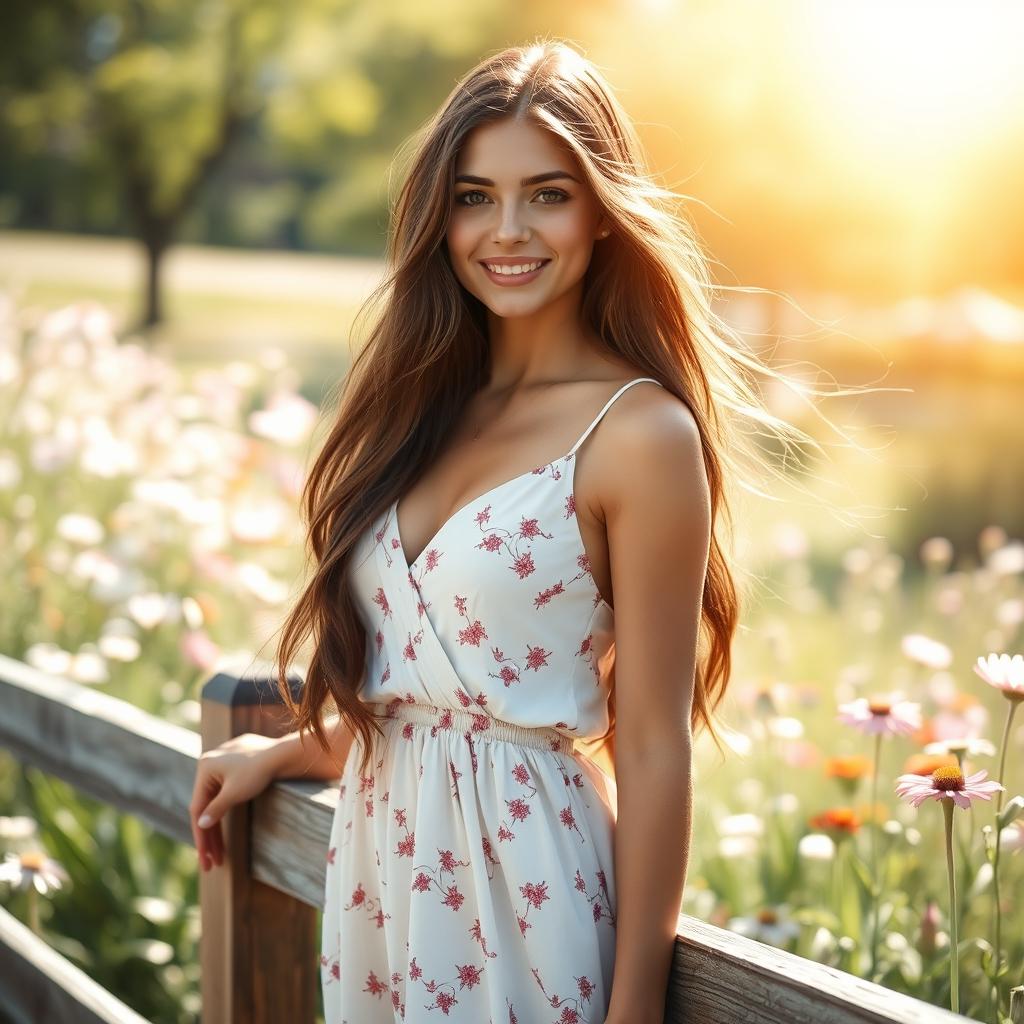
(605, 233)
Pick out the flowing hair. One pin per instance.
(648, 296)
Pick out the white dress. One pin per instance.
(470, 874)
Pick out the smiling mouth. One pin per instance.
(514, 273)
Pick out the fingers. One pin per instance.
(198, 835)
(213, 847)
(208, 825)
(205, 814)
(213, 837)
(204, 849)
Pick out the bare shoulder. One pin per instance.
(657, 511)
(650, 451)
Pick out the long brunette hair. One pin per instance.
(647, 295)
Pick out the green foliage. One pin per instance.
(128, 913)
(141, 103)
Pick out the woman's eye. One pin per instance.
(466, 198)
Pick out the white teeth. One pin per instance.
(522, 268)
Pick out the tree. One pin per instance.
(147, 99)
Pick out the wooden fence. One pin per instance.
(259, 948)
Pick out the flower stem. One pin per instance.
(33, 910)
(875, 887)
(954, 940)
(997, 910)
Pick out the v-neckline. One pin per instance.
(410, 566)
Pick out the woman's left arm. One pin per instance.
(658, 518)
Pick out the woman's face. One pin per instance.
(501, 216)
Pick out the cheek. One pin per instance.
(461, 238)
(462, 244)
(569, 231)
(459, 250)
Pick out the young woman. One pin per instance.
(513, 524)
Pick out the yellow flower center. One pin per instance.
(879, 707)
(948, 777)
(767, 916)
(33, 860)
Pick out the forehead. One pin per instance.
(513, 149)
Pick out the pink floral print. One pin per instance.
(469, 875)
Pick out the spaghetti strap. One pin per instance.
(607, 406)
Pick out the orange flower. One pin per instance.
(853, 766)
(838, 822)
(925, 764)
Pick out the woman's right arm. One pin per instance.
(303, 758)
(242, 767)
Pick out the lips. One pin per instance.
(514, 279)
(514, 261)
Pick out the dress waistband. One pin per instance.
(478, 723)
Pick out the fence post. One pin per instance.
(258, 947)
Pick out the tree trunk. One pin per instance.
(156, 245)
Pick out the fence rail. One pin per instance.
(258, 948)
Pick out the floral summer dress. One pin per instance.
(470, 874)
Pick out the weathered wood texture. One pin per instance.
(258, 913)
(247, 924)
(104, 747)
(720, 976)
(136, 762)
(38, 985)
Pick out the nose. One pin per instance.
(511, 225)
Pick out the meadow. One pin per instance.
(149, 525)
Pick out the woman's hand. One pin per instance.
(226, 775)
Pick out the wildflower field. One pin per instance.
(866, 814)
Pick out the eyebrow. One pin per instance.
(536, 179)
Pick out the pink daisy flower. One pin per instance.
(881, 715)
(1004, 673)
(947, 782)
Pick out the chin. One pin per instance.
(510, 309)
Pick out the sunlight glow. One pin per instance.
(919, 76)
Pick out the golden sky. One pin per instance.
(842, 128)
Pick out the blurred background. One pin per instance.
(193, 201)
